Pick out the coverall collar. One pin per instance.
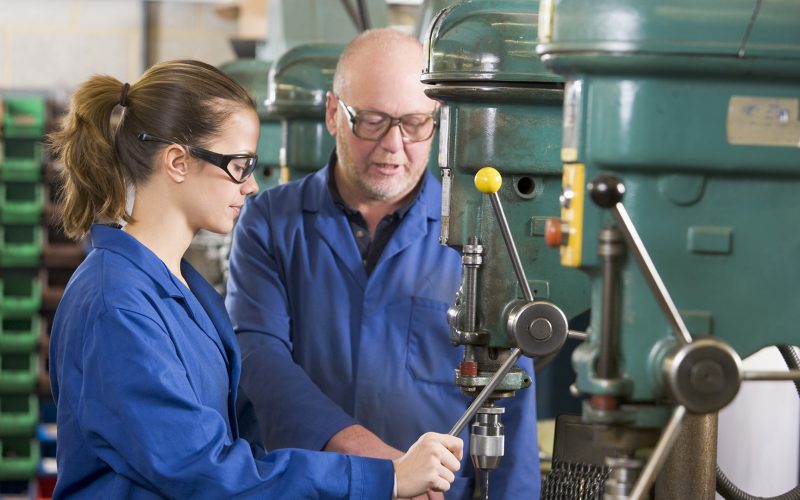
(316, 196)
(332, 223)
(118, 241)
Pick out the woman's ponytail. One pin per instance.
(94, 182)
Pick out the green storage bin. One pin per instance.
(19, 415)
(22, 160)
(20, 291)
(21, 202)
(24, 116)
(20, 245)
(19, 458)
(18, 372)
(19, 332)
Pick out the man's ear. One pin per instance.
(331, 110)
(174, 160)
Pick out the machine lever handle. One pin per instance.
(486, 392)
(607, 192)
(488, 181)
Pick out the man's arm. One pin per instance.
(358, 440)
(291, 410)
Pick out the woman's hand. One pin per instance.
(429, 464)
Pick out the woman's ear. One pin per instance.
(175, 162)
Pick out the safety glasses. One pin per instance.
(374, 125)
(238, 167)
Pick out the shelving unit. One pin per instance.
(36, 260)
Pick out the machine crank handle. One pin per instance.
(486, 392)
(606, 192)
(488, 181)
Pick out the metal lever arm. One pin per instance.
(488, 181)
(770, 375)
(607, 191)
(486, 392)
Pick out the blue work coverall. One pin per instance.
(145, 371)
(325, 346)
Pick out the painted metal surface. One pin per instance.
(298, 82)
(694, 107)
(502, 108)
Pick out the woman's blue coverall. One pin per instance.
(145, 374)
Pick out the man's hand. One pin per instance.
(429, 464)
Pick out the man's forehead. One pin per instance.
(391, 102)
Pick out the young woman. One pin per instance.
(143, 360)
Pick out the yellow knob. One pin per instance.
(488, 180)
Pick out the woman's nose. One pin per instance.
(250, 186)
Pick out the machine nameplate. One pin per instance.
(763, 121)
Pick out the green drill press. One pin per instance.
(500, 108)
(681, 170)
(298, 82)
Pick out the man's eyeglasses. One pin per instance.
(374, 125)
(238, 167)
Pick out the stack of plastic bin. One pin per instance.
(60, 257)
(21, 210)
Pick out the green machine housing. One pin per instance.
(682, 116)
(500, 107)
(298, 82)
(252, 75)
(693, 105)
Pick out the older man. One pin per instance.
(339, 287)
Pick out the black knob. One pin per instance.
(606, 191)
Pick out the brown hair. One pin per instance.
(184, 101)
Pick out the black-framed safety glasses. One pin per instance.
(239, 167)
(374, 125)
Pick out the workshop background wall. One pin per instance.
(52, 45)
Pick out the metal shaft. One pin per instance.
(483, 476)
(576, 335)
(660, 453)
(609, 248)
(486, 392)
(690, 470)
(651, 274)
(470, 299)
(471, 260)
(512, 248)
(770, 375)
